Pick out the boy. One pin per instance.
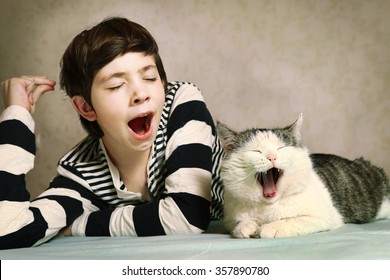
(150, 163)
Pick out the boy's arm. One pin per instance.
(20, 226)
(17, 140)
(17, 149)
(24, 223)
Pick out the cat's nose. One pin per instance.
(272, 158)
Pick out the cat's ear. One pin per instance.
(295, 128)
(226, 135)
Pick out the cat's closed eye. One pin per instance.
(284, 147)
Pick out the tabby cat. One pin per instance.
(275, 188)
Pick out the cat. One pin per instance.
(275, 188)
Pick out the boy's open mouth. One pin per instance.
(268, 180)
(141, 124)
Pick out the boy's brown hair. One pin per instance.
(92, 49)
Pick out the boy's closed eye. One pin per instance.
(115, 87)
(150, 79)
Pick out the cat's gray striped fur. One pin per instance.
(357, 187)
(275, 188)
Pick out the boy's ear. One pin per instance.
(83, 108)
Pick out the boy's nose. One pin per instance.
(139, 96)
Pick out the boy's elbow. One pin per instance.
(192, 216)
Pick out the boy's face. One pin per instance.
(128, 97)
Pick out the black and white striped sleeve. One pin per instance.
(191, 135)
(24, 223)
(17, 150)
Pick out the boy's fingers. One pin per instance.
(38, 91)
(36, 86)
(26, 90)
(32, 81)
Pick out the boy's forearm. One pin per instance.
(17, 149)
(180, 213)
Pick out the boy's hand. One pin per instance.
(25, 91)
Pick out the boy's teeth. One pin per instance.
(147, 122)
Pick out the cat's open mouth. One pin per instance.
(268, 180)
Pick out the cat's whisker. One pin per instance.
(246, 177)
(254, 183)
(250, 173)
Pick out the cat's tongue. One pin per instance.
(269, 185)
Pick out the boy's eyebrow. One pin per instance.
(147, 67)
(121, 74)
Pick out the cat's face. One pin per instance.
(260, 164)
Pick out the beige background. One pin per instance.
(258, 63)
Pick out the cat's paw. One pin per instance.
(277, 229)
(245, 230)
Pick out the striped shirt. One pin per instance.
(183, 180)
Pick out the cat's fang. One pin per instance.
(275, 174)
(259, 178)
(265, 178)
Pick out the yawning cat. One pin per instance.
(275, 188)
